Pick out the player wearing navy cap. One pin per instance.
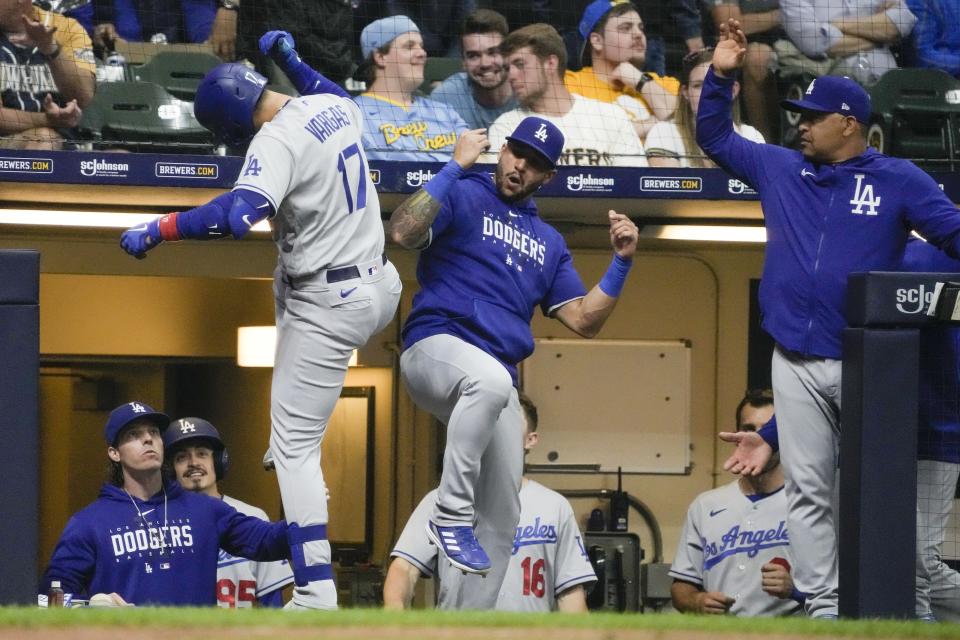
(145, 540)
(487, 262)
(832, 208)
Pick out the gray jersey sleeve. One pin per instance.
(268, 169)
(688, 563)
(413, 544)
(572, 564)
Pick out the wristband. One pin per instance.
(798, 596)
(616, 275)
(443, 182)
(168, 227)
(770, 434)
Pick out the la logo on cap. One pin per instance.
(137, 407)
(810, 88)
(187, 427)
(845, 106)
(541, 133)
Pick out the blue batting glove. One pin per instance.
(278, 45)
(138, 240)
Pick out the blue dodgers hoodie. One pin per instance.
(161, 551)
(824, 221)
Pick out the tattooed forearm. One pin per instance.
(410, 222)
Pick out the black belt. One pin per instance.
(346, 273)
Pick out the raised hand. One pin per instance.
(36, 33)
(470, 146)
(751, 455)
(624, 235)
(278, 45)
(731, 48)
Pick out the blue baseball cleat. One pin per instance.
(460, 546)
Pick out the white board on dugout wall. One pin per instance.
(612, 403)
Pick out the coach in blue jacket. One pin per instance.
(147, 542)
(832, 208)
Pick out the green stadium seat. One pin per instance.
(179, 72)
(916, 115)
(436, 71)
(143, 114)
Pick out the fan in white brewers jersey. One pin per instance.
(200, 460)
(734, 552)
(548, 571)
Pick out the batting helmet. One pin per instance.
(226, 99)
(186, 430)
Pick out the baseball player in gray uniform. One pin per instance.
(200, 460)
(548, 570)
(734, 552)
(334, 288)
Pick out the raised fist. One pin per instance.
(138, 240)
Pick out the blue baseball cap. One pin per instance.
(128, 413)
(540, 135)
(833, 94)
(383, 31)
(594, 13)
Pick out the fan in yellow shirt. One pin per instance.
(613, 56)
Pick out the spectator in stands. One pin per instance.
(438, 21)
(397, 124)
(481, 92)
(166, 21)
(936, 38)
(674, 144)
(596, 133)
(323, 30)
(850, 38)
(614, 52)
(48, 76)
(760, 20)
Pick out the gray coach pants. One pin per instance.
(806, 396)
(317, 330)
(472, 393)
(938, 586)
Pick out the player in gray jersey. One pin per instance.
(334, 288)
(734, 552)
(199, 459)
(548, 570)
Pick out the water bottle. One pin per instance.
(55, 596)
(114, 68)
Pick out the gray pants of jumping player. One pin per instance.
(473, 394)
(317, 330)
(938, 586)
(806, 396)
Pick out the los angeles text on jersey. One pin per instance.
(535, 533)
(186, 170)
(747, 541)
(152, 539)
(327, 121)
(513, 237)
(26, 165)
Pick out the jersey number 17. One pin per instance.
(346, 154)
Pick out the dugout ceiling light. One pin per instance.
(704, 233)
(256, 346)
(85, 219)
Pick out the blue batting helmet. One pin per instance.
(183, 431)
(226, 99)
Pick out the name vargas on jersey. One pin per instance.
(747, 541)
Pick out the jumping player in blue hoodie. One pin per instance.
(831, 208)
(145, 541)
